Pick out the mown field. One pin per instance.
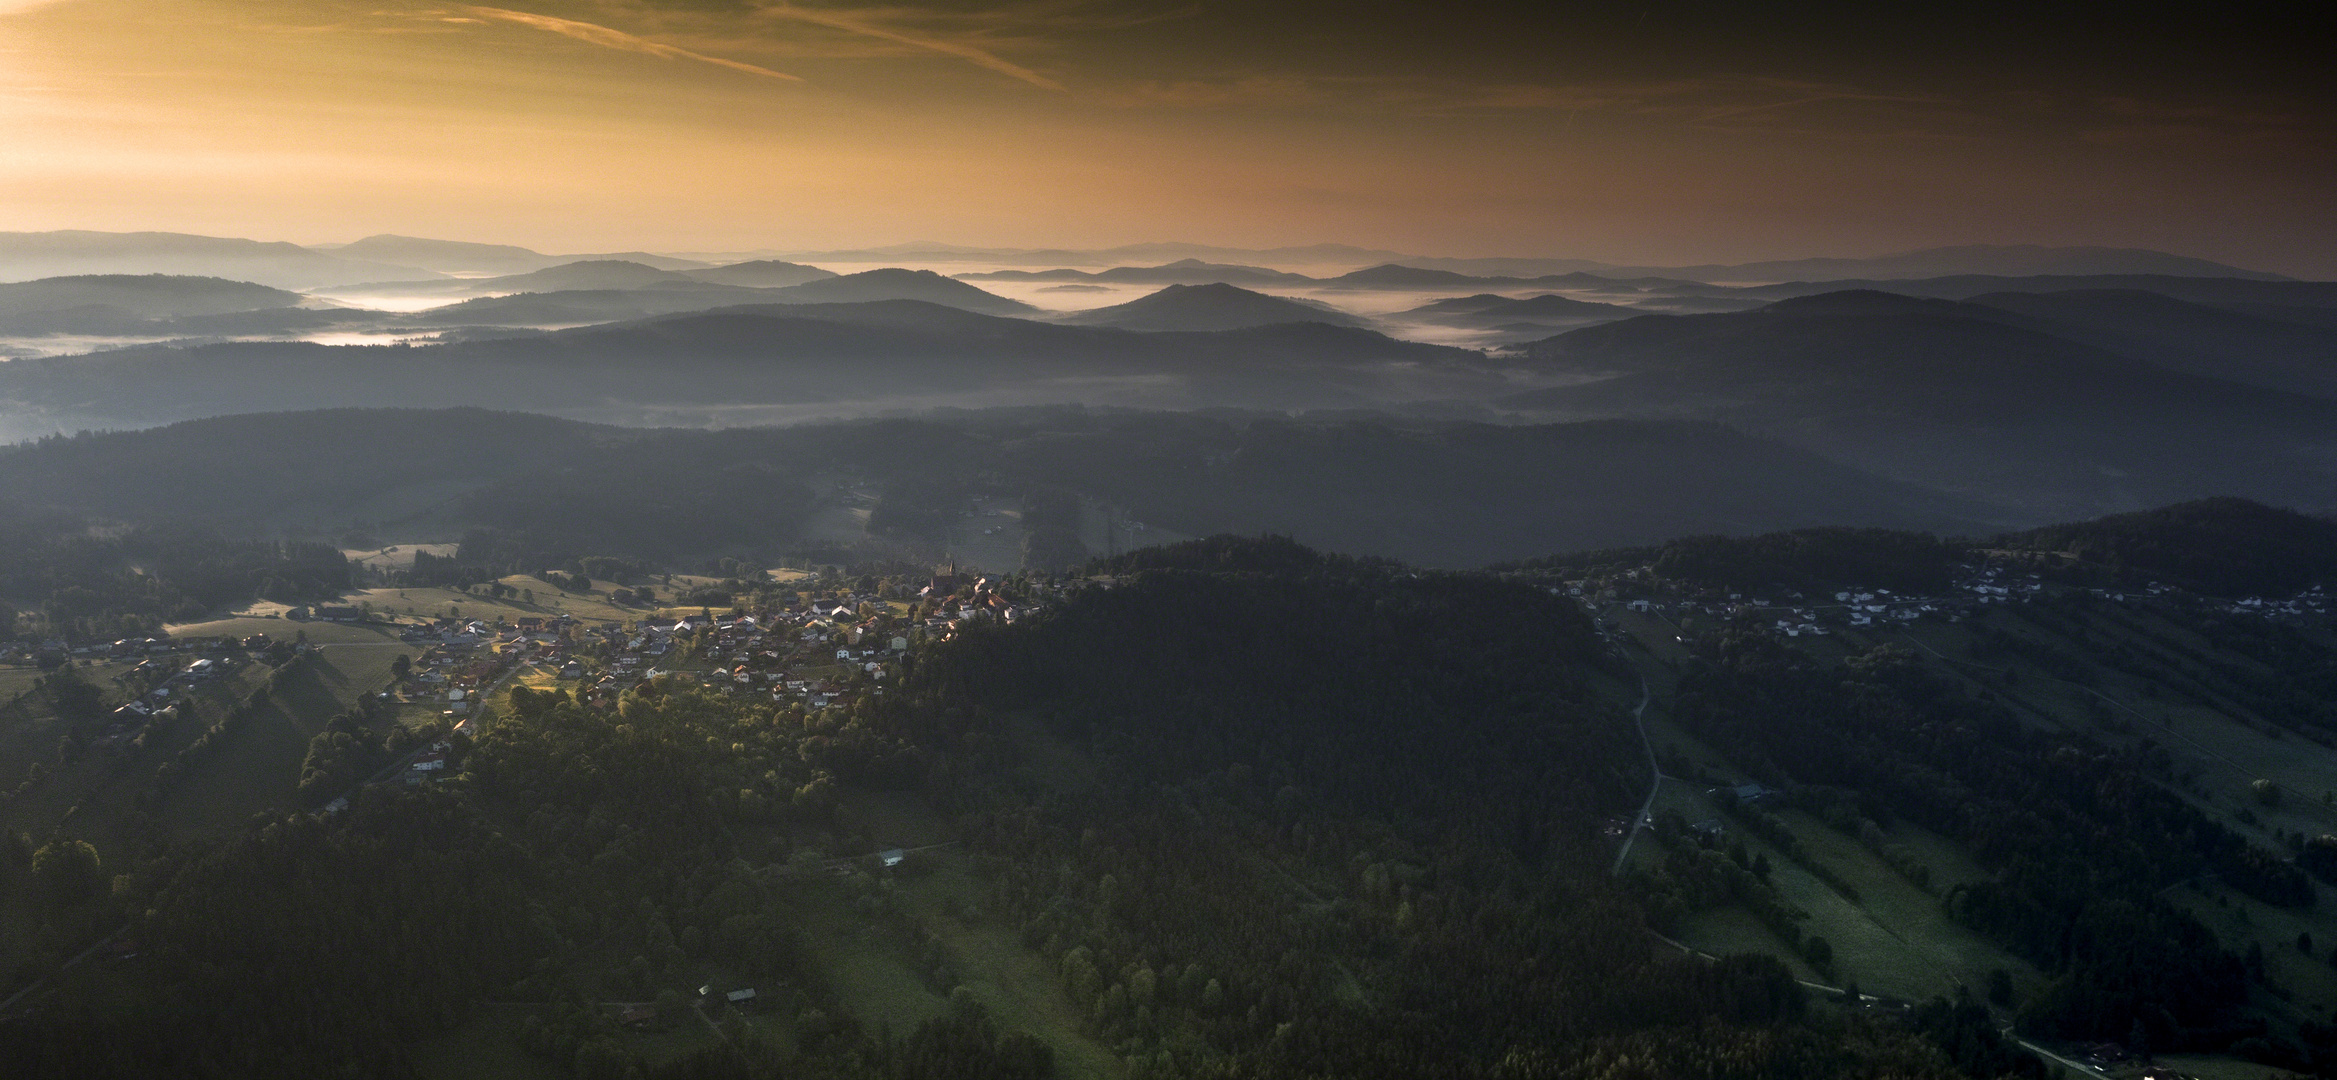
(1895, 938)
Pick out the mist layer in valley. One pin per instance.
(1987, 387)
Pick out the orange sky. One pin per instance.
(1635, 133)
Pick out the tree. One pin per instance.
(2000, 988)
(402, 666)
(69, 871)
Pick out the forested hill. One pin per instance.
(1436, 493)
(2226, 547)
(1318, 780)
(767, 354)
(1960, 396)
(1292, 817)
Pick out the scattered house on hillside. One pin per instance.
(891, 857)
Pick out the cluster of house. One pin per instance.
(166, 684)
(849, 640)
(2312, 603)
(1792, 614)
(754, 653)
(56, 649)
(460, 656)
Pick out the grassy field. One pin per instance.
(876, 977)
(1894, 939)
(1901, 941)
(258, 768)
(1016, 985)
(318, 632)
(252, 771)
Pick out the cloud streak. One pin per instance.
(617, 39)
(969, 53)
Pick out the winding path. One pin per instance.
(1654, 773)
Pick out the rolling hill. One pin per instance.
(1951, 396)
(1181, 272)
(1438, 493)
(873, 352)
(1209, 307)
(897, 284)
(26, 256)
(760, 274)
(1489, 311)
(2239, 345)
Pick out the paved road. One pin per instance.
(1654, 773)
(398, 766)
(44, 980)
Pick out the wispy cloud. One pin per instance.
(972, 54)
(616, 39)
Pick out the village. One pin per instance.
(1792, 614)
(804, 650)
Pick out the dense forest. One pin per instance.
(1329, 818)
(2218, 547)
(1432, 492)
(86, 584)
(1256, 810)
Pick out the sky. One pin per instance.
(1647, 133)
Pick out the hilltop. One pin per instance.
(1209, 307)
(1954, 396)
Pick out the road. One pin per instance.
(1654, 773)
(398, 766)
(2004, 1027)
(67, 965)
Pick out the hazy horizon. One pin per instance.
(1653, 135)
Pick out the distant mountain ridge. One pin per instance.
(141, 295)
(1436, 493)
(1954, 395)
(764, 354)
(2010, 260)
(28, 256)
(1214, 306)
(898, 284)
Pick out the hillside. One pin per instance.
(2223, 547)
(446, 256)
(1996, 259)
(761, 274)
(145, 296)
(1437, 494)
(2257, 349)
(581, 306)
(1490, 311)
(896, 284)
(1950, 396)
(26, 256)
(1181, 272)
(584, 274)
(773, 354)
(1209, 307)
(2232, 292)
